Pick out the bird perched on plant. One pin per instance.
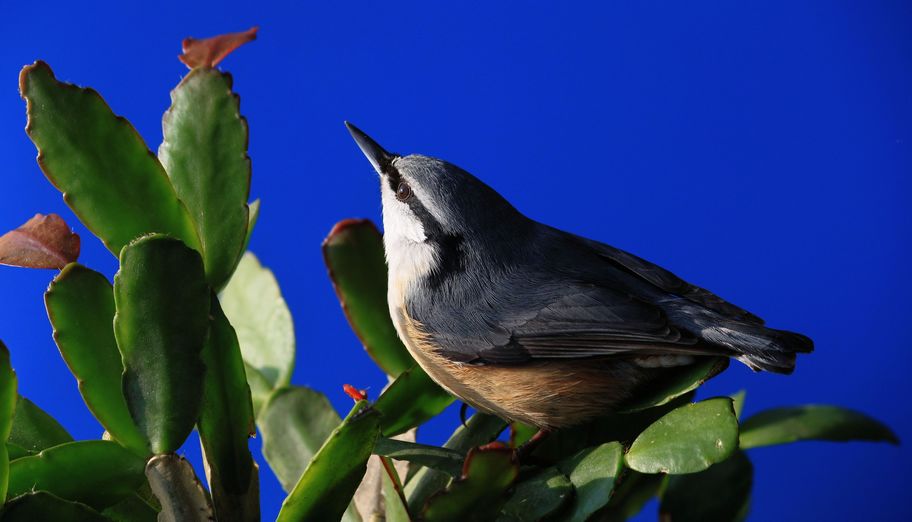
(534, 324)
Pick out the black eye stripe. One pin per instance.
(394, 181)
(392, 176)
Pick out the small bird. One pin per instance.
(534, 324)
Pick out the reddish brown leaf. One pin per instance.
(42, 242)
(208, 52)
(494, 448)
(479, 493)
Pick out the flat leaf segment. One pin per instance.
(162, 319)
(107, 175)
(205, 154)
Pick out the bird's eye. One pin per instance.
(403, 191)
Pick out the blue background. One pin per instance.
(761, 151)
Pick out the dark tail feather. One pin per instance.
(753, 344)
(762, 348)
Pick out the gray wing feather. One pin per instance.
(594, 322)
(668, 282)
(569, 320)
(577, 299)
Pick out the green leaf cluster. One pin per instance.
(153, 354)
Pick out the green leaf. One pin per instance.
(479, 429)
(260, 389)
(41, 505)
(594, 473)
(146, 494)
(15, 451)
(327, 485)
(161, 323)
(722, 492)
(396, 508)
(205, 154)
(622, 427)
(537, 497)
(226, 422)
(253, 215)
(295, 423)
(351, 514)
(630, 495)
(7, 408)
(178, 489)
(479, 493)
(34, 430)
(99, 162)
(687, 440)
(97, 473)
(411, 400)
(80, 305)
(812, 422)
(738, 402)
(254, 306)
(521, 433)
(676, 383)
(353, 252)
(442, 459)
(131, 509)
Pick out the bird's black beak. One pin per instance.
(377, 155)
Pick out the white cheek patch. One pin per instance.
(398, 219)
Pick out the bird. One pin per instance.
(537, 325)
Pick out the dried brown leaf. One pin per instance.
(208, 52)
(174, 483)
(42, 242)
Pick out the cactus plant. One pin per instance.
(194, 334)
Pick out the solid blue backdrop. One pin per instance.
(761, 151)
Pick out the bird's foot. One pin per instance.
(524, 451)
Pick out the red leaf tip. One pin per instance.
(354, 393)
(208, 52)
(493, 447)
(342, 226)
